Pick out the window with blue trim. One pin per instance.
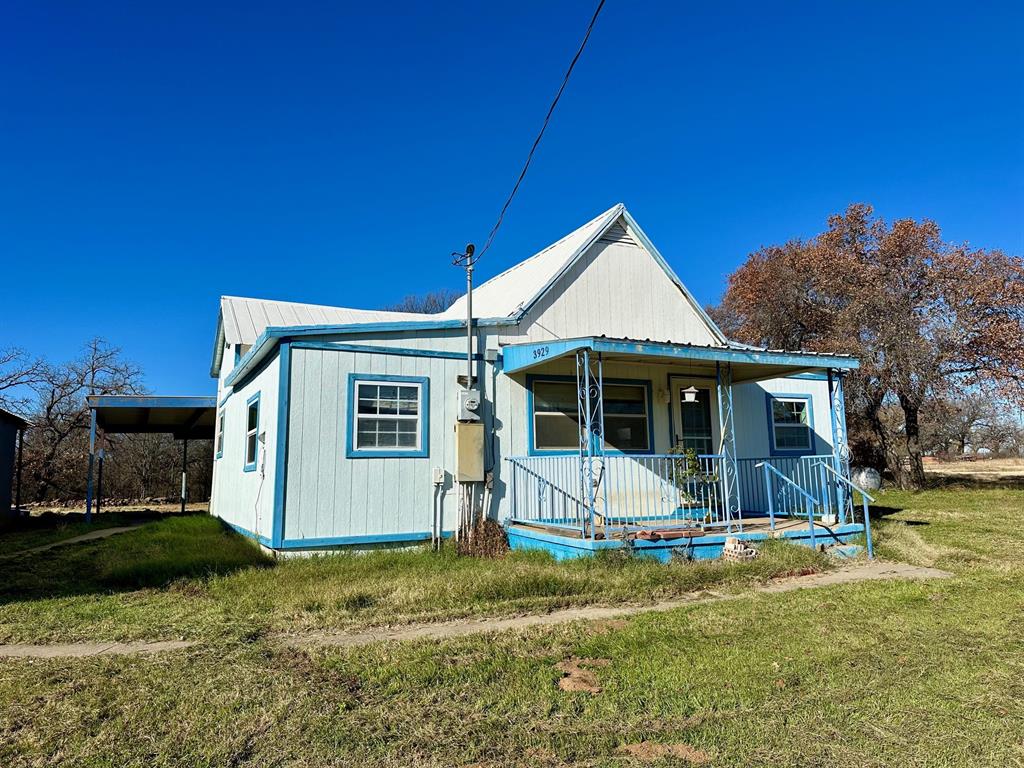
(791, 423)
(388, 416)
(252, 431)
(556, 422)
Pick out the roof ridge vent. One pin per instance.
(617, 233)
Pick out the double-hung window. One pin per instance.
(220, 433)
(252, 431)
(387, 416)
(791, 424)
(556, 424)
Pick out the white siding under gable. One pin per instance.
(617, 289)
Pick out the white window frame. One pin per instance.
(221, 418)
(249, 465)
(420, 418)
(808, 424)
(534, 414)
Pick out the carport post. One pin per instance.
(99, 481)
(92, 461)
(184, 473)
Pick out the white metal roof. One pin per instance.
(505, 294)
(245, 319)
(242, 320)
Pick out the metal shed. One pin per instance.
(12, 440)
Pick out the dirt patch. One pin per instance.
(608, 625)
(649, 751)
(577, 678)
(445, 630)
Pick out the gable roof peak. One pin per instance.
(508, 292)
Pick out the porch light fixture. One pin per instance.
(690, 395)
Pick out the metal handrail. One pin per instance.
(543, 485)
(804, 493)
(629, 489)
(865, 497)
(771, 511)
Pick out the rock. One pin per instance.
(867, 478)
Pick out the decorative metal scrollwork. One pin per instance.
(590, 413)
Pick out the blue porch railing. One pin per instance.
(665, 490)
(802, 470)
(629, 491)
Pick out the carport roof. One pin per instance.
(189, 418)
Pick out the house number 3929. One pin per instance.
(540, 352)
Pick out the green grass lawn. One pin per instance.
(45, 529)
(192, 577)
(870, 674)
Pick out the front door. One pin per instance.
(693, 422)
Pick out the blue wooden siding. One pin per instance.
(245, 499)
(329, 496)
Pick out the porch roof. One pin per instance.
(748, 363)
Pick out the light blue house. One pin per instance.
(595, 371)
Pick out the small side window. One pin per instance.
(791, 424)
(220, 433)
(252, 431)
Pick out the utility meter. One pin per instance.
(469, 405)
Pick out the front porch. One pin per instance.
(592, 480)
(689, 543)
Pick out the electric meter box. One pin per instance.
(470, 405)
(469, 452)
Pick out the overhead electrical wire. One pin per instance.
(547, 119)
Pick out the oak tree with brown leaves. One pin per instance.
(926, 318)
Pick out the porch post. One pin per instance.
(590, 411)
(586, 443)
(840, 441)
(727, 448)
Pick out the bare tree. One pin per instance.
(427, 303)
(18, 373)
(61, 419)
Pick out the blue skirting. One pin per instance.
(707, 547)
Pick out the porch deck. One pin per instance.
(665, 542)
(661, 505)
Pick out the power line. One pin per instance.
(547, 119)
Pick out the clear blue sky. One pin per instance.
(154, 157)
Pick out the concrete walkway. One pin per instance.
(103, 533)
(81, 650)
(872, 571)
